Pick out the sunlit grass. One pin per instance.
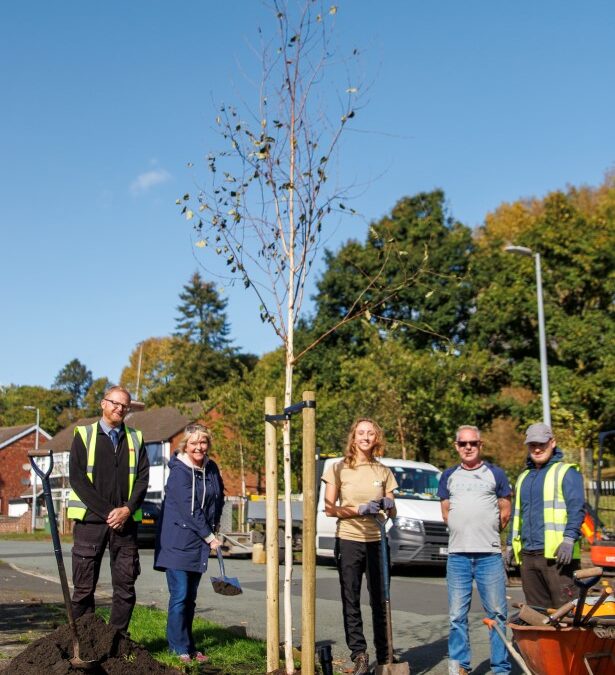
(227, 650)
(37, 535)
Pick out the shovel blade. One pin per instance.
(393, 669)
(226, 585)
(78, 663)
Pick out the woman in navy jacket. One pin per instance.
(194, 497)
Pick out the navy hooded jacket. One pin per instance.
(532, 503)
(190, 513)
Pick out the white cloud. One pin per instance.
(147, 180)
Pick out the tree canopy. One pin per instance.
(574, 232)
(75, 379)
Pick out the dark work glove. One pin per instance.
(563, 553)
(509, 558)
(387, 504)
(369, 509)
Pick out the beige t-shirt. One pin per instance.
(359, 486)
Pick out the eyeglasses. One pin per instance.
(117, 404)
(472, 444)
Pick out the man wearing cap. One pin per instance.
(547, 515)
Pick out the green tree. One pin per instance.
(202, 316)
(239, 408)
(91, 401)
(574, 231)
(75, 379)
(419, 293)
(50, 402)
(419, 397)
(270, 195)
(149, 369)
(198, 356)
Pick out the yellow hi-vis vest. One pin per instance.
(555, 516)
(76, 508)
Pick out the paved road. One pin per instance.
(419, 599)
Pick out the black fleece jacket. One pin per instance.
(110, 477)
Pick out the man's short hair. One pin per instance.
(116, 387)
(467, 427)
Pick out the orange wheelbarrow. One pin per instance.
(546, 650)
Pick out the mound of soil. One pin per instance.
(116, 654)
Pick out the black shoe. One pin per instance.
(361, 664)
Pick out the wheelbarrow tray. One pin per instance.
(547, 650)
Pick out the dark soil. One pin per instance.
(116, 654)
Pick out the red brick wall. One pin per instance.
(12, 458)
(21, 524)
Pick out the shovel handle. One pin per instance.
(588, 572)
(381, 519)
(594, 608)
(561, 612)
(33, 454)
(220, 561)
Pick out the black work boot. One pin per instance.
(361, 664)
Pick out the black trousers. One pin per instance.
(545, 584)
(90, 542)
(353, 560)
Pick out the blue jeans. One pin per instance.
(488, 571)
(183, 587)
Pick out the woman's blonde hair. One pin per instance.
(350, 454)
(192, 429)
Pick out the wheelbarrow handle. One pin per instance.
(33, 454)
(492, 625)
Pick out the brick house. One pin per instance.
(15, 471)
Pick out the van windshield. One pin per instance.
(415, 483)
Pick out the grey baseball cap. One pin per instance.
(538, 433)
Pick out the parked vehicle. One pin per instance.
(146, 532)
(417, 535)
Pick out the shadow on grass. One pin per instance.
(20, 618)
(230, 651)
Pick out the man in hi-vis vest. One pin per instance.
(109, 473)
(546, 524)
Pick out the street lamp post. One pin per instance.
(38, 417)
(542, 338)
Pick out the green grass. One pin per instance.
(227, 650)
(37, 535)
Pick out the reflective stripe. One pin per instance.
(516, 531)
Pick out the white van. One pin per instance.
(417, 535)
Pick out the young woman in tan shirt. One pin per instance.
(357, 489)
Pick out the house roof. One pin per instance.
(9, 435)
(157, 424)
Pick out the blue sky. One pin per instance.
(104, 103)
